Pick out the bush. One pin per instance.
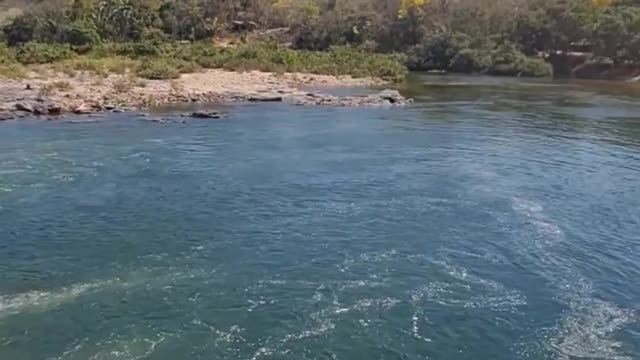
(506, 60)
(20, 30)
(158, 69)
(7, 55)
(449, 51)
(38, 53)
(82, 34)
(321, 34)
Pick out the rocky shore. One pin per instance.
(55, 95)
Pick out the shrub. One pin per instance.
(20, 30)
(82, 34)
(506, 60)
(12, 71)
(158, 69)
(7, 55)
(448, 51)
(38, 53)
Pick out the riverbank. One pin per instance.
(55, 94)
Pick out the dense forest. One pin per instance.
(505, 37)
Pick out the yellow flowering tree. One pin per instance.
(294, 10)
(601, 3)
(407, 5)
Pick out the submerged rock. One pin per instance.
(383, 98)
(206, 115)
(265, 98)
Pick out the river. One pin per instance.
(492, 219)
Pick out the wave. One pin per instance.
(587, 330)
(114, 348)
(586, 333)
(44, 300)
(39, 301)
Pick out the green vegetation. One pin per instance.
(159, 39)
(169, 59)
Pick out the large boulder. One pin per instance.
(24, 106)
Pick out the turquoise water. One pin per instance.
(493, 219)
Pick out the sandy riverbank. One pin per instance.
(54, 94)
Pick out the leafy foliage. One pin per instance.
(39, 53)
(492, 36)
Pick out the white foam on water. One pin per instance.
(116, 347)
(263, 351)
(353, 284)
(322, 326)
(587, 331)
(415, 330)
(43, 300)
(232, 335)
(368, 258)
(324, 323)
(482, 293)
(38, 301)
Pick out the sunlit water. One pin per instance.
(493, 219)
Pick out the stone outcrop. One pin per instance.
(89, 94)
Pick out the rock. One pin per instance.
(156, 120)
(83, 108)
(392, 96)
(206, 115)
(27, 107)
(54, 109)
(118, 110)
(6, 116)
(265, 98)
(109, 107)
(39, 109)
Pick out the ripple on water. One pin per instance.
(588, 329)
(40, 301)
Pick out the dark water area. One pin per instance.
(492, 219)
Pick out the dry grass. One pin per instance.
(47, 89)
(62, 85)
(50, 88)
(101, 67)
(13, 71)
(122, 85)
(176, 86)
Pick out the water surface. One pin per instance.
(494, 219)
